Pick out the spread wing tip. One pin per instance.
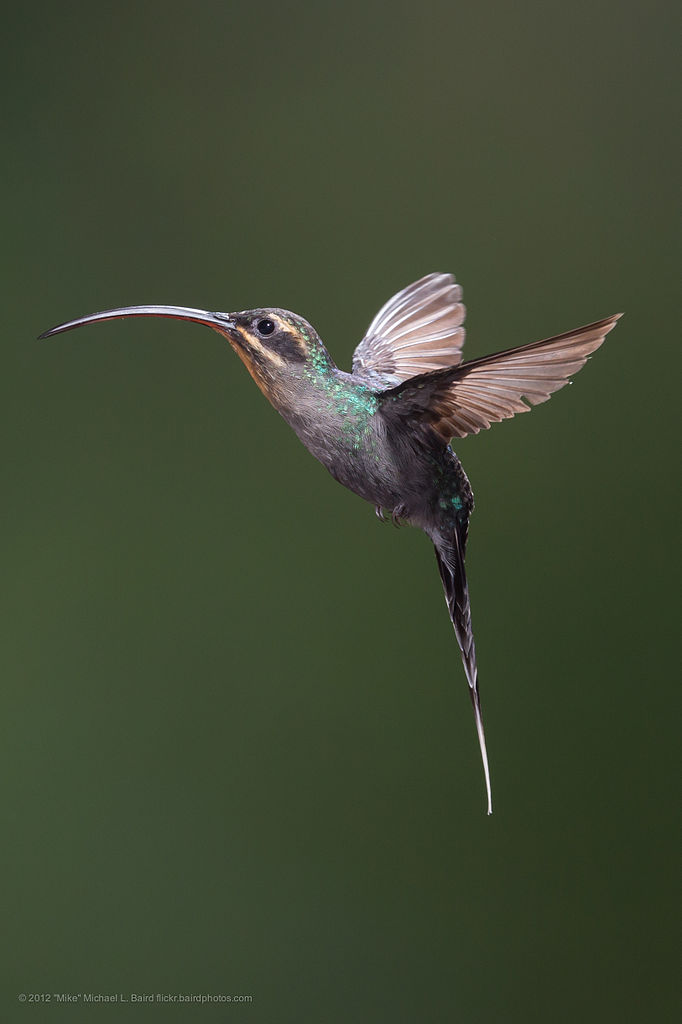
(467, 398)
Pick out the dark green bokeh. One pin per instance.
(239, 755)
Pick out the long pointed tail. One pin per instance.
(450, 557)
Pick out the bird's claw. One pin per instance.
(380, 513)
(397, 514)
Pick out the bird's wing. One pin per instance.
(465, 399)
(418, 330)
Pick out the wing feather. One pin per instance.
(416, 331)
(467, 398)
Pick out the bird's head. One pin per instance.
(277, 347)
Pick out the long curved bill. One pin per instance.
(218, 321)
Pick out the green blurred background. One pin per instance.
(239, 756)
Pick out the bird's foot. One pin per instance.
(398, 513)
(380, 513)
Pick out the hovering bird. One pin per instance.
(384, 430)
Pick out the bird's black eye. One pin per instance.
(265, 326)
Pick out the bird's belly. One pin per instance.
(364, 476)
(427, 488)
(354, 453)
(404, 473)
(378, 474)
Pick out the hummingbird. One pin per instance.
(385, 429)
